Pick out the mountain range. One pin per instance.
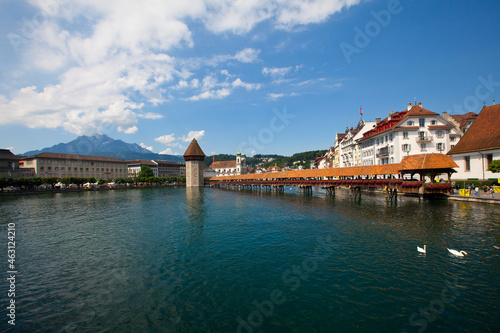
(103, 145)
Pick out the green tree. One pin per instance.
(494, 166)
(145, 172)
(100, 181)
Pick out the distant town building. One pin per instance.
(231, 168)
(336, 150)
(69, 165)
(410, 132)
(165, 169)
(9, 164)
(479, 146)
(461, 121)
(349, 150)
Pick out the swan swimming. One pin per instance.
(458, 253)
(422, 250)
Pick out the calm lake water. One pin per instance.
(212, 260)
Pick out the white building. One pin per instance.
(349, 150)
(479, 146)
(231, 168)
(410, 132)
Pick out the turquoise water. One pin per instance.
(211, 260)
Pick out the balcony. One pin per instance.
(383, 152)
(424, 138)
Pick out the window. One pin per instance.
(440, 134)
(405, 135)
(41, 168)
(423, 146)
(433, 122)
(410, 123)
(453, 138)
(467, 163)
(421, 135)
(406, 147)
(42, 161)
(440, 146)
(489, 159)
(452, 146)
(421, 122)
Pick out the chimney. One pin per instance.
(409, 106)
(377, 120)
(420, 104)
(213, 159)
(389, 117)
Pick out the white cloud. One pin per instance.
(149, 115)
(193, 135)
(130, 130)
(312, 81)
(169, 151)
(143, 145)
(166, 139)
(211, 94)
(248, 86)
(276, 72)
(247, 55)
(274, 97)
(120, 49)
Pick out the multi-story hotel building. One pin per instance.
(69, 165)
(413, 131)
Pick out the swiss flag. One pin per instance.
(360, 110)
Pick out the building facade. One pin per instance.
(69, 165)
(410, 132)
(165, 169)
(9, 164)
(231, 168)
(479, 146)
(349, 149)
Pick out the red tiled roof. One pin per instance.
(462, 119)
(223, 165)
(73, 156)
(396, 118)
(142, 162)
(427, 162)
(194, 152)
(483, 134)
(420, 111)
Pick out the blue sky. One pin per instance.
(261, 76)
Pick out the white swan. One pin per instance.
(422, 250)
(458, 253)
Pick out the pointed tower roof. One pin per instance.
(194, 152)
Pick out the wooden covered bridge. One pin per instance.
(393, 178)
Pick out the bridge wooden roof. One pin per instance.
(387, 169)
(410, 163)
